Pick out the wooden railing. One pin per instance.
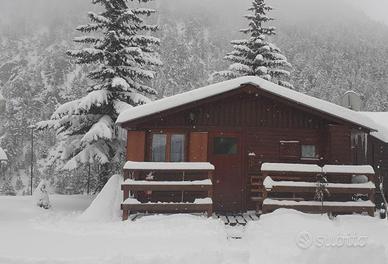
(161, 187)
(295, 185)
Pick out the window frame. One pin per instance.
(225, 154)
(168, 134)
(315, 152)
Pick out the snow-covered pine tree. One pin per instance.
(119, 47)
(8, 188)
(256, 55)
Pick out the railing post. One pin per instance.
(125, 214)
(183, 179)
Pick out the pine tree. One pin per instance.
(256, 55)
(19, 185)
(8, 188)
(120, 49)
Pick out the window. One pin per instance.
(168, 147)
(225, 145)
(308, 152)
(159, 142)
(177, 150)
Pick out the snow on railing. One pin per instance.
(269, 183)
(139, 182)
(133, 165)
(132, 201)
(290, 167)
(312, 168)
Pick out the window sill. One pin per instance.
(315, 159)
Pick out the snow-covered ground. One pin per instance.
(31, 235)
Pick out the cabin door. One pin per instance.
(225, 155)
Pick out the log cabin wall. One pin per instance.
(272, 129)
(338, 150)
(378, 158)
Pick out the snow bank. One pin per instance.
(56, 236)
(288, 236)
(106, 206)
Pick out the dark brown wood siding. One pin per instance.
(241, 110)
(338, 150)
(378, 158)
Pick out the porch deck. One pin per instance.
(300, 194)
(167, 187)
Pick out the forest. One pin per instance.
(332, 47)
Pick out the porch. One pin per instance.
(167, 187)
(339, 189)
(187, 187)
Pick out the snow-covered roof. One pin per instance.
(381, 124)
(3, 156)
(222, 87)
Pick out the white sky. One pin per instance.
(376, 9)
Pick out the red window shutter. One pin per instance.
(198, 145)
(136, 145)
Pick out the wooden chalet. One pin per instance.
(204, 150)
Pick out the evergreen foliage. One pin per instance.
(8, 188)
(256, 55)
(120, 49)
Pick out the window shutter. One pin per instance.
(135, 145)
(198, 146)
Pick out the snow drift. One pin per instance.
(289, 236)
(106, 206)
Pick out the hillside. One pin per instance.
(333, 47)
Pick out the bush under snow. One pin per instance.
(40, 195)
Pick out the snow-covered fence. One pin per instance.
(299, 194)
(154, 178)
